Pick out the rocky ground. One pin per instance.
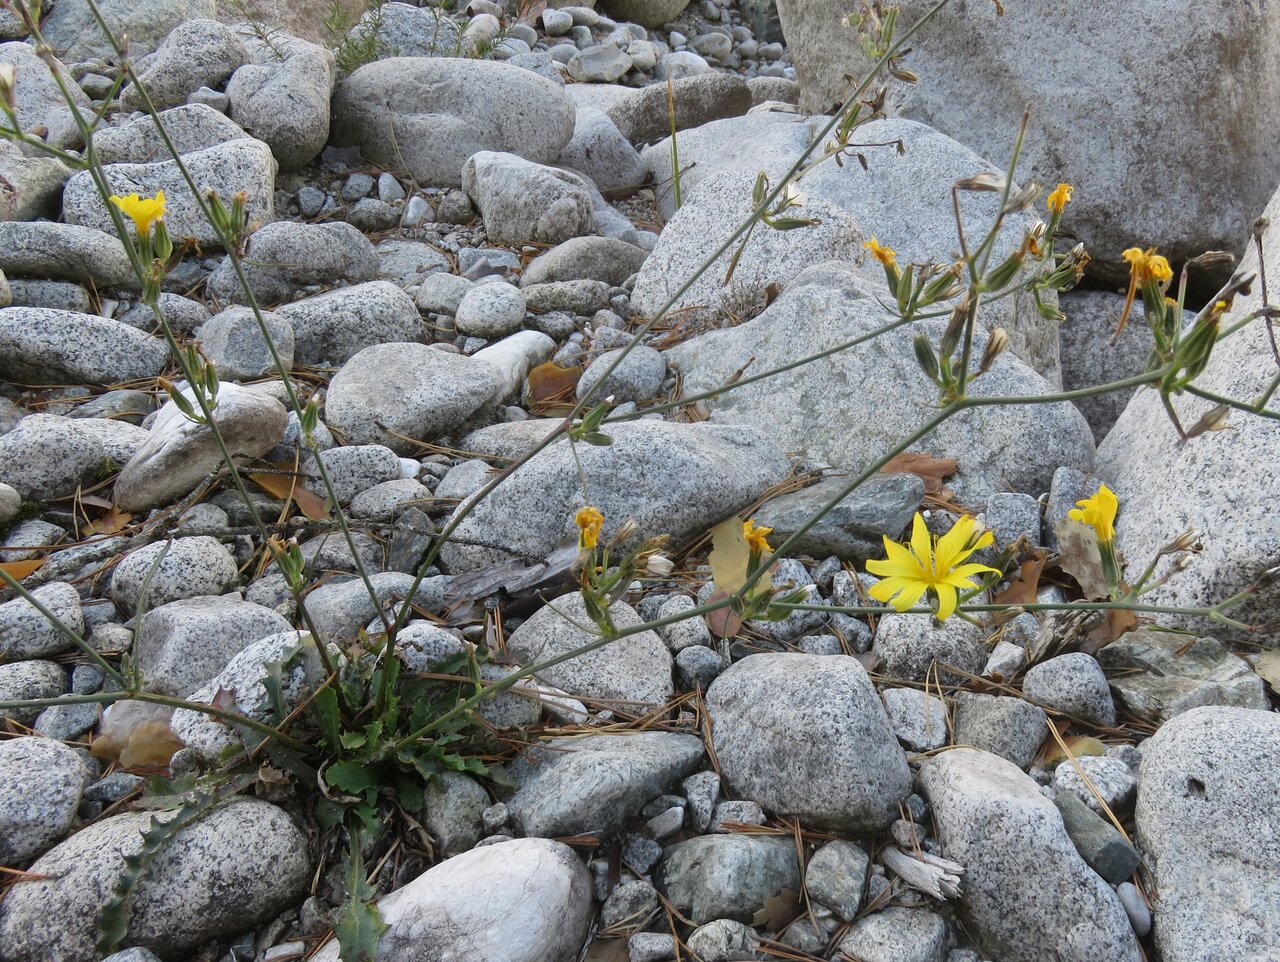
(442, 200)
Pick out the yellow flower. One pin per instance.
(885, 255)
(1147, 265)
(144, 211)
(755, 536)
(589, 521)
(928, 564)
(1099, 513)
(1059, 198)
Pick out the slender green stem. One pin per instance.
(63, 628)
(110, 697)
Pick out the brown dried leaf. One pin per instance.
(1079, 557)
(17, 570)
(111, 522)
(285, 486)
(723, 622)
(1117, 622)
(1025, 582)
(926, 467)
(551, 382)
(779, 911)
(608, 950)
(1080, 745)
(1267, 665)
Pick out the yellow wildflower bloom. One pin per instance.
(928, 564)
(144, 211)
(1059, 198)
(755, 536)
(1099, 513)
(1147, 265)
(885, 255)
(590, 521)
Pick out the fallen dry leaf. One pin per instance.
(1117, 622)
(1267, 665)
(112, 521)
(551, 382)
(17, 570)
(1079, 744)
(926, 467)
(1079, 557)
(779, 911)
(1025, 582)
(285, 486)
(723, 622)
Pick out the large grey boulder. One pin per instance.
(647, 13)
(40, 345)
(74, 31)
(839, 411)
(396, 394)
(25, 632)
(331, 328)
(229, 168)
(235, 868)
(1217, 482)
(1158, 675)
(674, 479)
(49, 456)
(1209, 832)
(1027, 896)
(171, 570)
(727, 876)
(806, 736)
(403, 30)
(38, 100)
(32, 185)
(41, 782)
(585, 258)
(644, 114)
(179, 453)
(981, 69)
(634, 671)
(285, 256)
(711, 214)
(191, 127)
(197, 53)
(1090, 359)
(599, 151)
(234, 342)
(903, 199)
(575, 786)
(429, 115)
(64, 252)
(523, 202)
(526, 900)
(183, 644)
(282, 98)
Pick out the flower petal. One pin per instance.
(946, 601)
(921, 542)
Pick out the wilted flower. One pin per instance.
(755, 536)
(1059, 198)
(589, 521)
(925, 564)
(1147, 265)
(885, 255)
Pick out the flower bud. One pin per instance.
(997, 341)
(925, 357)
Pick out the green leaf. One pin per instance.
(358, 924)
(598, 439)
(410, 791)
(351, 776)
(328, 717)
(329, 814)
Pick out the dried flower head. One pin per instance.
(590, 522)
(885, 255)
(1059, 198)
(1147, 265)
(755, 536)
